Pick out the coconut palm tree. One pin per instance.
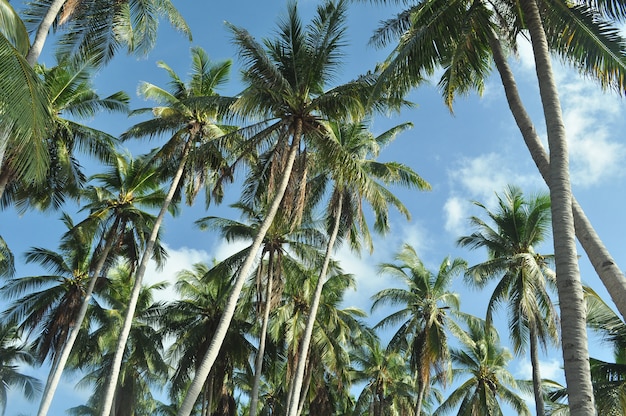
(26, 112)
(72, 96)
(423, 319)
(115, 207)
(335, 330)
(386, 375)
(283, 244)
(581, 34)
(520, 225)
(486, 383)
(191, 322)
(355, 175)
(192, 157)
(14, 353)
(144, 364)
(286, 85)
(98, 29)
(47, 304)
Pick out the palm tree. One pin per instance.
(286, 84)
(144, 364)
(524, 277)
(72, 95)
(12, 355)
(386, 375)
(335, 330)
(25, 113)
(116, 208)
(51, 301)
(488, 381)
(576, 30)
(355, 175)
(191, 112)
(98, 29)
(283, 244)
(423, 318)
(192, 320)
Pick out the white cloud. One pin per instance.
(551, 369)
(589, 116)
(455, 211)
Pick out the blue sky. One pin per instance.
(467, 156)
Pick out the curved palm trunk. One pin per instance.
(534, 360)
(134, 296)
(258, 365)
(42, 31)
(569, 286)
(55, 374)
(220, 333)
(308, 332)
(602, 261)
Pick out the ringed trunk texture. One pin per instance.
(55, 374)
(42, 31)
(222, 328)
(603, 263)
(315, 303)
(569, 286)
(134, 296)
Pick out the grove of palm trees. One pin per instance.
(325, 207)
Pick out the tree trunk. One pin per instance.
(534, 360)
(258, 365)
(220, 333)
(55, 374)
(569, 286)
(134, 296)
(308, 332)
(420, 397)
(42, 31)
(604, 265)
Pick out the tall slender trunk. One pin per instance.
(229, 310)
(258, 365)
(42, 31)
(134, 296)
(569, 286)
(602, 261)
(55, 374)
(305, 389)
(315, 302)
(420, 397)
(534, 360)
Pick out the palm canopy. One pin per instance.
(423, 319)
(347, 160)
(72, 97)
(13, 354)
(98, 29)
(191, 113)
(455, 36)
(24, 106)
(482, 363)
(120, 201)
(144, 365)
(192, 320)
(49, 302)
(518, 226)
